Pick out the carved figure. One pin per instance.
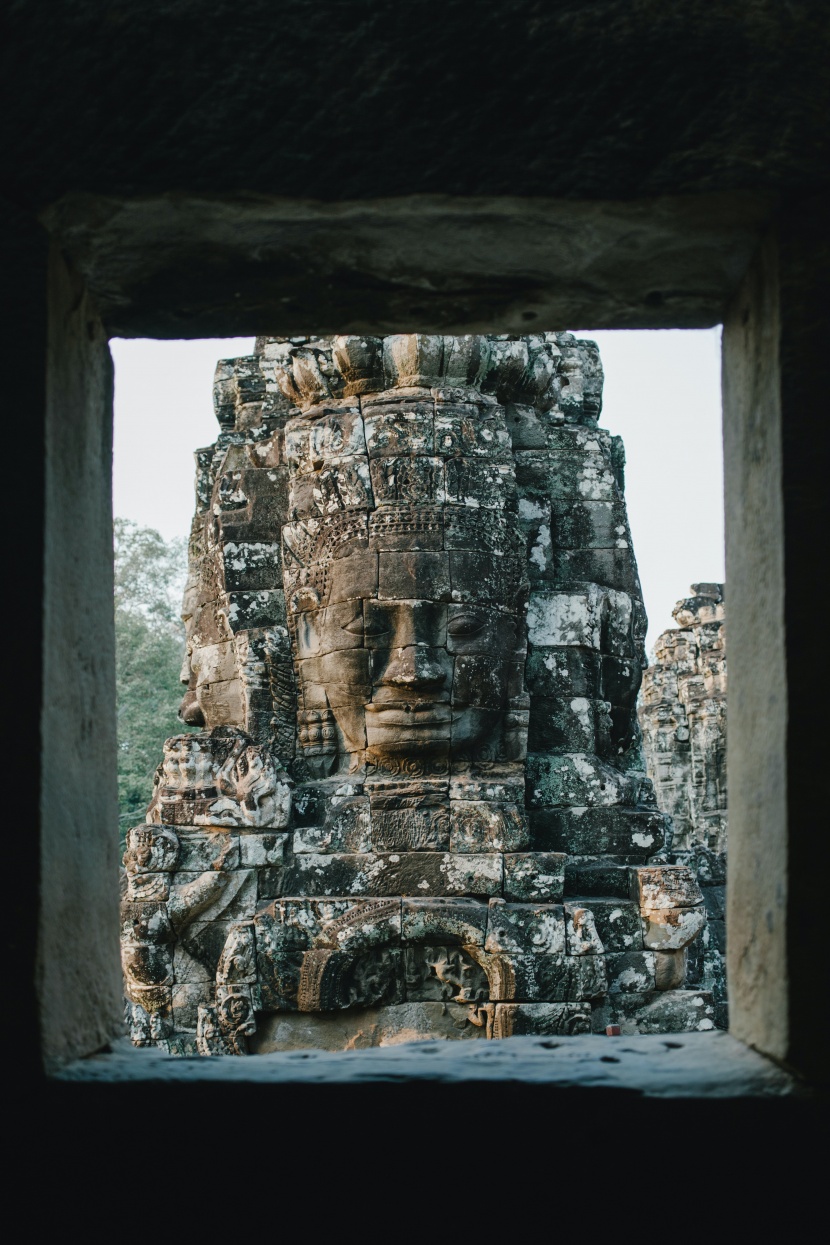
(412, 590)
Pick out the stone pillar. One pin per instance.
(775, 381)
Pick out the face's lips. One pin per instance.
(411, 715)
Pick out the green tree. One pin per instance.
(149, 647)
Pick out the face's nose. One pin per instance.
(416, 668)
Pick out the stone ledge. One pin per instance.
(694, 1065)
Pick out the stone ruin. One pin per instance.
(683, 719)
(416, 805)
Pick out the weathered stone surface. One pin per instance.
(554, 1019)
(631, 972)
(395, 873)
(534, 876)
(664, 886)
(670, 1011)
(360, 1028)
(671, 929)
(462, 921)
(525, 928)
(581, 931)
(617, 923)
(578, 781)
(614, 831)
(540, 977)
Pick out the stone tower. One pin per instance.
(417, 805)
(683, 720)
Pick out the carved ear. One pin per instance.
(304, 599)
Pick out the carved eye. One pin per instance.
(374, 629)
(465, 625)
(355, 627)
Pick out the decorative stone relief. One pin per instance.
(418, 799)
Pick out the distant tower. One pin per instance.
(683, 719)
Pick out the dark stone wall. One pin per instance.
(564, 98)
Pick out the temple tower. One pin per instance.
(416, 805)
(683, 719)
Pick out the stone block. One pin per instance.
(251, 566)
(630, 972)
(394, 873)
(483, 826)
(471, 431)
(408, 528)
(618, 924)
(214, 895)
(262, 849)
(668, 1011)
(581, 931)
(422, 576)
(587, 877)
(570, 619)
(206, 849)
(541, 1019)
(187, 999)
(362, 1028)
(425, 828)
(399, 429)
(566, 725)
(347, 828)
(671, 929)
(610, 568)
(562, 673)
(670, 969)
(246, 610)
(413, 481)
(530, 876)
(495, 789)
(620, 679)
(525, 928)
(213, 663)
(366, 924)
(356, 577)
(714, 899)
(614, 831)
(579, 781)
(579, 524)
(272, 881)
(527, 432)
(581, 477)
(545, 978)
(476, 576)
(444, 921)
(664, 886)
(478, 484)
(199, 950)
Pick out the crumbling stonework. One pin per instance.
(417, 805)
(683, 719)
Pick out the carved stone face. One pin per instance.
(412, 655)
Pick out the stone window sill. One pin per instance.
(687, 1065)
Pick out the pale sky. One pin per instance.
(662, 396)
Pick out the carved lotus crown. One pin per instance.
(536, 369)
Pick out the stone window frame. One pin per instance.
(751, 262)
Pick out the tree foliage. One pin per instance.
(149, 637)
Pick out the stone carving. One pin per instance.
(415, 633)
(683, 719)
